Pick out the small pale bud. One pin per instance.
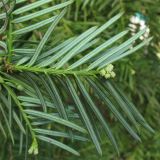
(132, 19)
(103, 72)
(142, 22)
(147, 30)
(30, 151)
(109, 68)
(146, 34)
(132, 30)
(107, 76)
(35, 151)
(158, 55)
(133, 26)
(141, 38)
(136, 20)
(133, 72)
(20, 87)
(142, 27)
(113, 74)
(34, 147)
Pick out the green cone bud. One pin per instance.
(30, 151)
(35, 151)
(108, 72)
(103, 72)
(133, 72)
(107, 76)
(20, 87)
(113, 74)
(109, 68)
(34, 148)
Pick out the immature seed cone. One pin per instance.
(102, 72)
(113, 74)
(20, 87)
(109, 68)
(107, 76)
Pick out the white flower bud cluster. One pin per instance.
(138, 22)
(108, 72)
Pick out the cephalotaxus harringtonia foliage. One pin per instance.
(52, 91)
